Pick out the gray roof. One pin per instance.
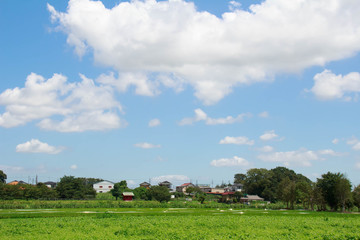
(128, 194)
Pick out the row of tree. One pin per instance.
(283, 184)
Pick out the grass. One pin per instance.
(175, 223)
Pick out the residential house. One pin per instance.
(50, 184)
(15, 182)
(251, 198)
(166, 184)
(236, 187)
(182, 188)
(145, 185)
(103, 186)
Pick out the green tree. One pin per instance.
(160, 193)
(3, 177)
(335, 189)
(70, 187)
(356, 196)
(258, 182)
(119, 188)
(141, 193)
(240, 178)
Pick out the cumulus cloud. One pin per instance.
(200, 115)
(264, 114)
(154, 122)
(269, 135)
(11, 169)
(60, 105)
(302, 157)
(335, 141)
(146, 145)
(266, 149)
(230, 162)
(298, 158)
(73, 167)
(237, 140)
(329, 86)
(212, 54)
(357, 165)
(355, 143)
(174, 179)
(36, 146)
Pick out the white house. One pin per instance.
(103, 186)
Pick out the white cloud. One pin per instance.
(146, 145)
(154, 122)
(264, 114)
(335, 141)
(61, 106)
(36, 146)
(266, 149)
(174, 179)
(301, 157)
(234, 5)
(357, 165)
(143, 39)
(200, 115)
(269, 135)
(329, 86)
(11, 169)
(355, 143)
(230, 162)
(73, 167)
(237, 140)
(329, 152)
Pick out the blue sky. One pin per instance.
(178, 91)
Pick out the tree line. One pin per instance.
(331, 190)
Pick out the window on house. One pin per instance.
(100, 186)
(109, 186)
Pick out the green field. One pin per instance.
(175, 223)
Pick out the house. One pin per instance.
(217, 190)
(224, 196)
(204, 188)
(15, 182)
(50, 184)
(166, 184)
(251, 198)
(236, 187)
(128, 196)
(182, 188)
(103, 186)
(145, 185)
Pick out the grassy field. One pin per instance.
(171, 223)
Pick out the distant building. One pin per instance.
(15, 182)
(182, 188)
(128, 196)
(166, 184)
(145, 185)
(50, 184)
(217, 190)
(251, 198)
(204, 188)
(103, 186)
(236, 187)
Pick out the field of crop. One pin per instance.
(174, 223)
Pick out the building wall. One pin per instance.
(102, 187)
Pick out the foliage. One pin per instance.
(142, 193)
(335, 189)
(119, 188)
(26, 191)
(177, 224)
(160, 193)
(356, 196)
(2, 177)
(70, 187)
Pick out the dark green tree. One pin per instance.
(240, 178)
(160, 193)
(70, 187)
(258, 182)
(331, 185)
(3, 177)
(141, 193)
(356, 196)
(119, 188)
